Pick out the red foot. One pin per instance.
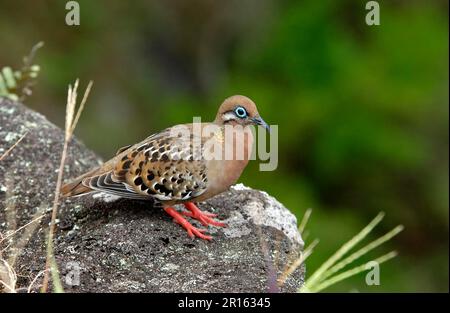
(204, 217)
(191, 230)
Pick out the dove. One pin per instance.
(184, 164)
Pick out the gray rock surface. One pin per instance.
(120, 245)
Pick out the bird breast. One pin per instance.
(236, 152)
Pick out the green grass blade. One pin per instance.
(3, 89)
(318, 274)
(362, 251)
(354, 271)
(8, 75)
(305, 219)
(57, 285)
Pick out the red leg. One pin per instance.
(191, 230)
(190, 214)
(203, 217)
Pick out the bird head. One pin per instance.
(239, 110)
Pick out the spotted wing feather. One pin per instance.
(162, 167)
(105, 183)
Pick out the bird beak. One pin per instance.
(259, 121)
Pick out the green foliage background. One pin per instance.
(362, 111)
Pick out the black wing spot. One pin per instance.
(142, 147)
(186, 193)
(138, 181)
(163, 189)
(126, 165)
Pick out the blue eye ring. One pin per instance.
(240, 112)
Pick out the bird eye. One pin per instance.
(240, 112)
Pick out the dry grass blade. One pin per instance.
(70, 108)
(26, 236)
(295, 260)
(69, 128)
(8, 277)
(83, 101)
(12, 147)
(29, 59)
(277, 250)
(271, 272)
(10, 209)
(299, 261)
(30, 287)
(20, 228)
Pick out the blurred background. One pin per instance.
(362, 110)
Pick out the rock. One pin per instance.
(107, 244)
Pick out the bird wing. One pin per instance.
(123, 149)
(165, 166)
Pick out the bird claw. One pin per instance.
(198, 232)
(205, 220)
(203, 217)
(191, 230)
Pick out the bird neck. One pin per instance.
(239, 139)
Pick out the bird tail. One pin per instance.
(76, 187)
